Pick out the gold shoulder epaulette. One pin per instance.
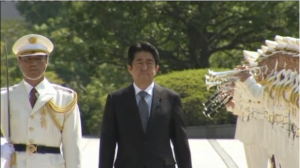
(66, 108)
(58, 109)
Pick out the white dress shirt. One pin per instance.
(149, 96)
(28, 87)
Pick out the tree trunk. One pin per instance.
(198, 48)
(204, 56)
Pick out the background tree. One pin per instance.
(39, 12)
(187, 33)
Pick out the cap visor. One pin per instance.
(34, 54)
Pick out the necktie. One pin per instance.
(33, 97)
(143, 109)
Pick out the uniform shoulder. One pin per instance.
(63, 89)
(4, 89)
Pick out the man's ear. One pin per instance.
(19, 62)
(129, 68)
(20, 67)
(157, 68)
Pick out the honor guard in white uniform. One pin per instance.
(270, 117)
(45, 124)
(256, 153)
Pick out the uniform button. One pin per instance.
(31, 141)
(31, 129)
(32, 116)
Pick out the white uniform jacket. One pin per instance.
(36, 125)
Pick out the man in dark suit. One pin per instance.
(142, 119)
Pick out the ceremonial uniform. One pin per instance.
(256, 153)
(268, 120)
(40, 132)
(272, 130)
(243, 127)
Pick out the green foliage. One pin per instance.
(11, 30)
(100, 32)
(190, 84)
(39, 11)
(91, 103)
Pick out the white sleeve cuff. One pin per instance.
(6, 152)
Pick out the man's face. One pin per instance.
(33, 66)
(143, 68)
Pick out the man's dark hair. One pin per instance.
(143, 46)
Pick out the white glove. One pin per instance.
(6, 152)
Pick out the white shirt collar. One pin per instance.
(29, 87)
(149, 89)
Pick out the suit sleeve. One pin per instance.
(108, 136)
(71, 139)
(178, 136)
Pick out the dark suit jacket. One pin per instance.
(122, 125)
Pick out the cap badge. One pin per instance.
(32, 40)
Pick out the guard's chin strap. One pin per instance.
(34, 79)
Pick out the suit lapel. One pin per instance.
(20, 95)
(46, 92)
(130, 100)
(156, 100)
(157, 90)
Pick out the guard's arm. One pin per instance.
(71, 139)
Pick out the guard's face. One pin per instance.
(33, 66)
(143, 69)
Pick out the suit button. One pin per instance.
(31, 129)
(32, 117)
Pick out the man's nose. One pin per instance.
(144, 66)
(33, 62)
